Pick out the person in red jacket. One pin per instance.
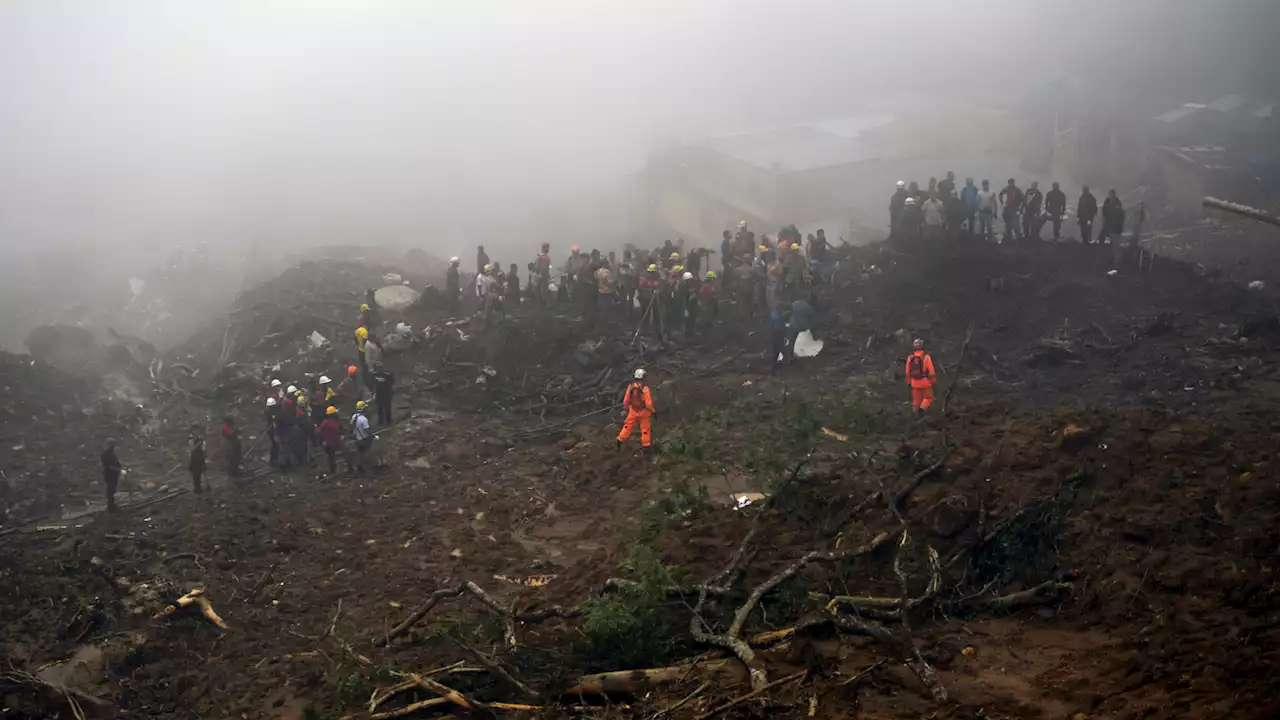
(331, 437)
(920, 376)
(639, 402)
(231, 438)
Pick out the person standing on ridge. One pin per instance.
(969, 200)
(1031, 212)
(639, 403)
(482, 259)
(921, 377)
(986, 209)
(896, 202)
(1086, 211)
(1055, 203)
(1011, 199)
(452, 286)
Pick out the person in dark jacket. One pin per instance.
(1031, 223)
(482, 259)
(895, 208)
(197, 460)
(1112, 218)
(1086, 211)
(452, 285)
(1055, 203)
(110, 473)
(512, 297)
(384, 388)
(1011, 199)
(947, 185)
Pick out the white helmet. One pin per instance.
(687, 276)
(271, 402)
(291, 389)
(638, 374)
(909, 201)
(324, 380)
(901, 184)
(275, 383)
(454, 260)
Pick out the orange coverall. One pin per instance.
(639, 407)
(921, 380)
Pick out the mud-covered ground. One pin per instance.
(1112, 432)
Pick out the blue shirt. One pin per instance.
(969, 196)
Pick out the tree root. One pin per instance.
(732, 639)
(752, 695)
(485, 598)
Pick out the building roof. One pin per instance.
(1177, 114)
(1228, 103)
(802, 147)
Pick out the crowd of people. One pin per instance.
(667, 292)
(947, 211)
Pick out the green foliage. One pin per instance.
(679, 504)
(633, 627)
(350, 689)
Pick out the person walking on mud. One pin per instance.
(921, 377)
(110, 473)
(196, 464)
(272, 415)
(639, 403)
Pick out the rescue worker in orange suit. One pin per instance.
(639, 404)
(920, 376)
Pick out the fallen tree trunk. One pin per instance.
(638, 681)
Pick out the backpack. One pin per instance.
(915, 367)
(635, 397)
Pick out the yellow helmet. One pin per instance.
(360, 405)
(711, 274)
(362, 333)
(488, 269)
(364, 306)
(764, 248)
(674, 256)
(677, 268)
(653, 267)
(795, 246)
(331, 410)
(742, 223)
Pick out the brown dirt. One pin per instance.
(1163, 497)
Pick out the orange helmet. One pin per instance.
(351, 370)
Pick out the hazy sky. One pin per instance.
(157, 122)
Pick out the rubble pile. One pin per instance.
(1098, 454)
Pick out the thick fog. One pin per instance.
(132, 128)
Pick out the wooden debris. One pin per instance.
(196, 598)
